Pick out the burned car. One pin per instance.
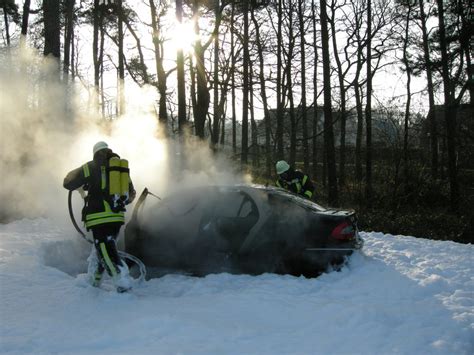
(248, 229)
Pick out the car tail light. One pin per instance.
(343, 231)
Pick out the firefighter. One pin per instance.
(109, 188)
(294, 180)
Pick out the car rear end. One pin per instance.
(344, 233)
(332, 237)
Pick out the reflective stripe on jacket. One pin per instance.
(108, 216)
(93, 176)
(299, 184)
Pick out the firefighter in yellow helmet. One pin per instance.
(109, 188)
(293, 180)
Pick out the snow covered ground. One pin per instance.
(401, 295)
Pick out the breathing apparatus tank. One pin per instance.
(124, 180)
(119, 180)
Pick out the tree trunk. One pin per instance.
(52, 30)
(279, 114)
(180, 77)
(160, 71)
(449, 111)
(5, 19)
(407, 106)
(223, 107)
(68, 37)
(101, 73)
(289, 87)
(360, 128)
(465, 39)
(325, 162)
(121, 68)
(368, 109)
(253, 123)
(202, 94)
(73, 54)
(97, 19)
(342, 93)
(303, 86)
(470, 74)
(192, 89)
(234, 114)
(222, 138)
(263, 93)
(25, 17)
(429, 77)
(360, 115)
(315, 94)
(217, 113)
(328, 129)
(245, 89)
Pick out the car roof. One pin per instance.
(298, 200)
(267, 189)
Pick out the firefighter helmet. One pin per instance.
(282, 166)
(99, 146)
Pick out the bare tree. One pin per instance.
(232, 45)
(408, 70)
(449, 111)
(315, 92)
(368, 110)
(97, 16)
(328, 123)
(121, 67)
(25, 17)
(181, 79)
(245, 88)
(288, 50)
(69, 27)
(202, 99)
(358, 11)
(8, 6)
(301, 19)
(216, 112)
(341, 74)
(160, 71)
(263, 93)
(253, 123)
(279, 99)
(52, 30)
(429, 78)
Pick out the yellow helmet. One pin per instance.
(282, 166)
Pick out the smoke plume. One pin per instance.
(49, 128)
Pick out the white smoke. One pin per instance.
(49, 129)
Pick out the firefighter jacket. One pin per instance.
(93, 177)
(298, 183)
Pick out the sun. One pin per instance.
(182, 36)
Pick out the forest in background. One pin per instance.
(287, 79)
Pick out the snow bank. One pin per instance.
(402, 295)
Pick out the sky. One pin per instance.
(400, 295)
(388, 82)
